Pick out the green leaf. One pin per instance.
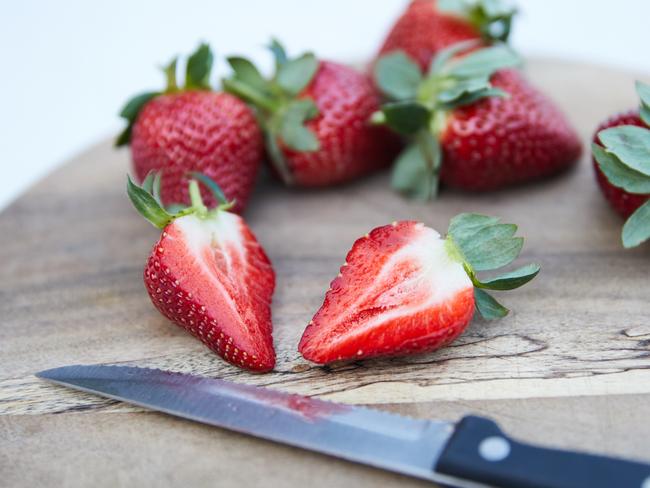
(130, 112)
(398, 76)
(246, 72)
(279, 53)
(510, 281)
(463, 87)
(170, 76)
(643, 90)
(484, 62)
(147, 184)
(618, 174)
(630, 144)
(487, 306)
(415, 173)
(249, 94)
(292, 130)
(212, 185)
(405, 117)
(132, 108)
(644, 113)
(492, 247)
(411, 174)
(147, 205)
(637, 228)
(199, 66)
(296, 74)
(445, 55)
(277, 158)
(155, 187)
(463, 226)
(472, 97)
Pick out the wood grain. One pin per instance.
(574, 351)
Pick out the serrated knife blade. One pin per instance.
(384, 440)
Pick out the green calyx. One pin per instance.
(493, 18)
(281, 111)
(418, 104)
(146, 199)
(197, 77)
(481, 243)
(623, 156)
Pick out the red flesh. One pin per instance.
(220, 293)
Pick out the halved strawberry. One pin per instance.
(208, 274)
(404, 289)
(621, 152)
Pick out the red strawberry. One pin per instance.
(472, 123)
(403, 289)
(623, 202)
(315, 117)
(426, 27)
(621, 156)
(194, 129)
(208, 274)
(499, 141)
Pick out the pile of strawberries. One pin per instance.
(443, 103)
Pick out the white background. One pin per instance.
(69, 65)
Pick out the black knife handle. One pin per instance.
(479, 451)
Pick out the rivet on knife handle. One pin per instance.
(479, 451)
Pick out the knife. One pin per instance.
(473, 453)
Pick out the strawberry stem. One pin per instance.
(195, 198)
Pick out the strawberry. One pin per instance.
(315, 118)
(621, 157)
(429, 26)
(194, 129)
(404, 290)
(208, 274)
(471, 121)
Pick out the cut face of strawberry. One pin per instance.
(399, 292)
(404, 289)
(209, 275)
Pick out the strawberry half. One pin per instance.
(404, 289)
(315, 118)
(429, 26)
(621, 152)
(470, 122)
(208, 274)
(192, 128)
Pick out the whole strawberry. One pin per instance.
(208, 274)
(429, 26)
(621, 156)
(192, 128)
(315, 118)
(405, 290)
(472, 122)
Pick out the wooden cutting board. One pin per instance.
(570, 366)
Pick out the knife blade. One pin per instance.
(474, 453)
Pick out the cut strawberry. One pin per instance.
(208, 274)
(403, 289)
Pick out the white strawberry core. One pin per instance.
(214, 264)
(434, 277)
